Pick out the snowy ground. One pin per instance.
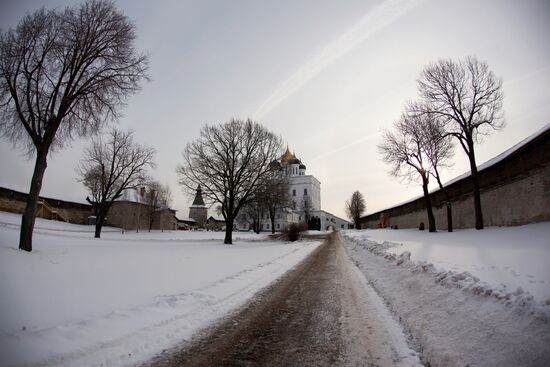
(123, 298)
(462, 304)
(511, 257)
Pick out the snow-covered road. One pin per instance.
(322, 313)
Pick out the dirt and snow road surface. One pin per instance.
(322, 313)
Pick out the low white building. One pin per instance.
(305, 197)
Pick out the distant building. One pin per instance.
(198, 210)
(131, 211)
(215, 224)
(186, 224)
(305, 200)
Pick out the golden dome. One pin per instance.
(287, 156)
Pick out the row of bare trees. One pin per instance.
(460, 101)
(63, 74)
(268, 200)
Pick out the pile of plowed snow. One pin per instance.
(454, 318)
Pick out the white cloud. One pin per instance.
(376, 20)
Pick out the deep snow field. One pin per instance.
(465, 298)
(79, 301)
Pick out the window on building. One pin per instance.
(326, 219)
(279, 226)
(293, 192)
(305, 192)
(267, 226)
(342, 226)
(277, 216)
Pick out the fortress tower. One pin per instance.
(198, 211)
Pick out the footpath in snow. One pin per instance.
(467, 297)
(121, 299)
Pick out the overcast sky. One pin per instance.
(328, 76)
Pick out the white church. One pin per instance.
(304, 191)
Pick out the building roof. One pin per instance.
(132, 195)
(275, 165)
(287, 156)
(294, 160)
(198, 202)
(216, 219)
(187, 220)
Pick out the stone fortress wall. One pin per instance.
(123, 214)
(14, 202)
(515, 190)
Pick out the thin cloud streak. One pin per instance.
(376, 20)
(526, 76)
(345, 146)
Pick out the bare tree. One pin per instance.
(108, 168)
(273, 193)
(468, 97)
(64, 73)
(405, 151)
(277, 199)
(158, 198)
(355, 207)
(253, 212)
(439, 150)
(229, 161)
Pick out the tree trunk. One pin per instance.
(431, 218)
(228, 231)
(272, 217)
(449, 213)
(448, 203)
(100, 220)
(475, 181)
(29, 215)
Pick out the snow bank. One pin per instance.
(122, 299)
(512, 258)
(454, 318)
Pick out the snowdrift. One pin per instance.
(454, 318)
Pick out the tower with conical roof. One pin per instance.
(198, 211)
